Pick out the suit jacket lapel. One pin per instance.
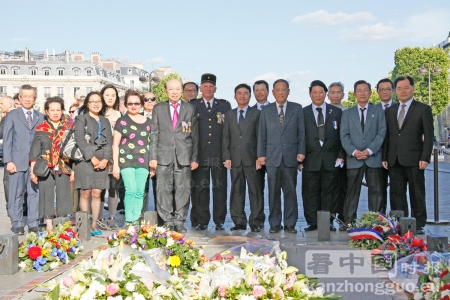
(274, 113)
(287, 115)
(369, 118)
(234, 123)
(22, 117)
(310, 114)
(410, 111)
(169, 117)
(35, 119)
(357, 120)
(182, 114)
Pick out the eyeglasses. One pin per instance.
(150, 99)
(71, 111)
(191, 90)
(133, 104)
(362, 91)
(385, 90)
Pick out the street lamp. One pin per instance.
(429, 68)
(153, 77)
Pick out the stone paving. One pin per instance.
(20, 285)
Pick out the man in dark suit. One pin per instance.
(18, 134)
(335, 95)
(240, 135)
(407, 150)
(261, 91)
(7, 104)
(281, 146)
(211, 115)
(363, 130)
(173, 153)
(324, 155)
(384, 89)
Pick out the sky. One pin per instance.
(238, 41)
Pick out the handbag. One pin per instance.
(69, 147)
(41, 168)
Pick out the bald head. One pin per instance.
(7, 103)
(174, 88)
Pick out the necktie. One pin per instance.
(362, 118)
(320, 124)
(281, 114)
(29, 119)
(241, 120)
(209, 106)
(386, 106)
(175, 116)
(401, 116)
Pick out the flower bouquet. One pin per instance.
(395, 248)
(435, 284)
(371, 230)
(125, 273)
(47, 250)
(180, 253)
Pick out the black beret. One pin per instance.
(208, 77)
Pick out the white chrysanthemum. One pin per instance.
(76, 291)
(119, 297)
(138, 296)
(160, 230)
(53, 265)
(131, 230)
(99, 288)
(130, 286)
(22, 265)
(170, 242)
(246, 297)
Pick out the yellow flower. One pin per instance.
(46, 252)
(174, 261)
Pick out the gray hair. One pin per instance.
(8, 99)
(337, 84)
(28, 87)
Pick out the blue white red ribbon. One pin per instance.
(365, 233)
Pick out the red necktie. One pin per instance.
(175, 116)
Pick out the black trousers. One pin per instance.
(262, 178)
(355, 176)
(384, 187)
(401, 176)
(342, 193)
(241, 177)
(282, 178)
(202, 180)
(320, 192)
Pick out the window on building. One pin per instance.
(33, 71)
(46, 72)
(3, 91)
(76, 72)
(88, 90)
(47, 92)
(2, 71)
(60, 92)
(15, 71)
(16, 89)
(131, 84)
(75, 89)
(89, 72)
(61, 72)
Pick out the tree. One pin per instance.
(351, 101)
(409, 60)
(159, 90)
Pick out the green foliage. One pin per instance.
(159, 90)
(409, 60)
(351, 101)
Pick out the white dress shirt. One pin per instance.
(408, 104)
(25, 113)
(172, 109)
(316, 115)
(260, 106)
(284, 108)
(383, 105)
(239, 112)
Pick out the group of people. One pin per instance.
(186, 147)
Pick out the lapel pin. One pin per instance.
(215, 102)
(330, 110)
(372, 116)
(201, 101)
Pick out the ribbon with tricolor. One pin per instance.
(365, 233)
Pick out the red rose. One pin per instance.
(34, 252)
(379, 229)
(445, 272)
(417, 243)
(64, 237)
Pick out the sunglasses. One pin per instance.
(150, 99)
(133, 104)
(71, 111)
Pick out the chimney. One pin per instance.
(67, 56)
(26, 54)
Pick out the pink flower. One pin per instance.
(258, 291)
(141, 143)
(222, 291)
(132, 136)
(255, 279)
(112, 289)
(68, 281)
(149, 284)
(124, 141)
(290, 281)
(280, 293)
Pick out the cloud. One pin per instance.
(158, 59)
(431, 26)
(372, 33)
(18, 39)
(322, 18)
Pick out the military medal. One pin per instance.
(219, 117)
(189, 127)
(335, 124)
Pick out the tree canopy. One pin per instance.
(351, 101)
(409, 60)
(159, 90)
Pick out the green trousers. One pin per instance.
(134, 180)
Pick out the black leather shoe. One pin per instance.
(201, 227)
(180, 229)
(261, 226)
(255, 228)
(332, 228)
(420, 231)
(275, 229)
(236, 227)
(290, 229)
(34, 229)
(311, 228)
(18, 230)
(342, 227)
(169, 226)
(220, 226)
